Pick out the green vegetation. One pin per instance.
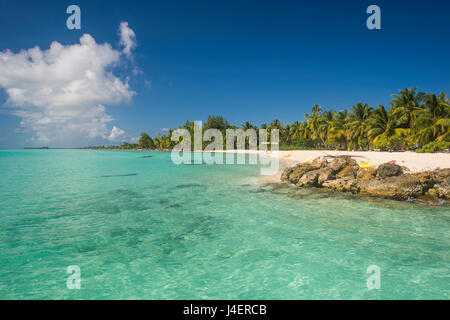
(145, 142)
(435, 147)
(413, 120)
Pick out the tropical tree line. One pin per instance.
(413, 120)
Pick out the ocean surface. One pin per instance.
(140, 227)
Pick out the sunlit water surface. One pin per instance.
(140, 227)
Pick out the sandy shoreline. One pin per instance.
(415, 162)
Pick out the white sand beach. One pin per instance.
(415, 162)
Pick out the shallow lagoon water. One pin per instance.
(143, 228)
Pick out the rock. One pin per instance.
(389, 180)
(443, 189)
(366, 174)
(442, 180)
(319, 163)
(286, 173)
(325, 174)
(389, 170)
(299, 171)
(349, 171)
(442, 175)
(429, 199)
(427, 179)
(398, 187)
(342, 184)
(341, 162)
(309, 179)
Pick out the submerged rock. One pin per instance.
(430, 198)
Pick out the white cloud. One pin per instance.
(116, 133)
(60, 93)
(127, 38)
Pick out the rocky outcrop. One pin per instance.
(325, 174)
(349, 171)
(399, 188)
(366, 174)
(343, 184)
(430, 198)
(443, 189)
(343, 174)
(318, 163)
(339, 163)
(309, 179)
(286, 173)
(442, 185)
(389, 170)
(298, 172)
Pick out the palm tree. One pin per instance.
(433, 122)
(380, 124)
(406, 104)
(146, 142)
(412, 117)
(295, 130)
(313, 124)
(357, 125)
(275, 124)
(336, 130)
(248, 125)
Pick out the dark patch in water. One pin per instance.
(135, 206)
(144, 157)
(108, 209)
(260, 190)
(120, 175)
(86, 248)
(192, 185)
(118, 232)
(128, 231)
(174, 205)
(225, 255)
(133, 243)
(126, 193)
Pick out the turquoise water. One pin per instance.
(143, 228)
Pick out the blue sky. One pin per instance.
(245, 60)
